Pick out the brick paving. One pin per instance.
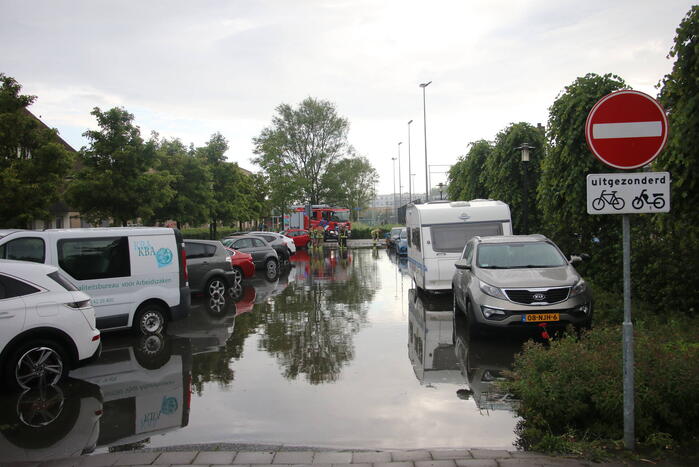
(280, 456)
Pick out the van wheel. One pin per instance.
(271, 269)
(37, 363)
(150, 319)
(152, 351)
(216, 287)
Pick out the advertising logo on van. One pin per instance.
(163, 256)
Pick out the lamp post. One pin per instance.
(410, 170)
(440, 185)
(525, 148)
(395, 208)
(400, 183)
(424, 124)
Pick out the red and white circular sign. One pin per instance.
(626, 129)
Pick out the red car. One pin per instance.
(299, 236)
(242, 263)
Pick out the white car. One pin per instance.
(47, 325)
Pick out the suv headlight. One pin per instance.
(492, 291)
(578, 288)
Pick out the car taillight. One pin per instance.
(81, 304)
(184, 264)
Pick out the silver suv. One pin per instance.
(519, 281)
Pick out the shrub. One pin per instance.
(202, 233)
(573, 390)
(360, 230)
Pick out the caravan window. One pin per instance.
(415, 236)
(451, 238)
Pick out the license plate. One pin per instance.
(539, 317)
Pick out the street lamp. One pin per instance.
(440, 185)
(400, 183)
(395, 208)
(424, 121)
(525, 149)
(410, 190)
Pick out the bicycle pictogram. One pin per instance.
(609, 198)
(643, 199)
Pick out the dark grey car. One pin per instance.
(263, 255)
(209, 267)
(275, 241)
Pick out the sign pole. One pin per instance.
(629, 419)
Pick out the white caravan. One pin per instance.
(438, 231)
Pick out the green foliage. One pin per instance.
(191, 183)
(351, 183)
(118, 177)
(573, 389)
(504, 174)
(465, 177)
(299, 147)
(363, 231)
(202, 233)
(33, 162)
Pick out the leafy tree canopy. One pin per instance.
(300, 145)
(464, 182)
(33, 161)
(351, 183)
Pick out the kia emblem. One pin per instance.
(539, 296)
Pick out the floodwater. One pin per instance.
(340, 351)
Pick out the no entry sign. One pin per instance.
(626, 129)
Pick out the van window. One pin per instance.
(24, 249)
(451, 238)
(95, 258)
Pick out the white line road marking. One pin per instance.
(627, 130)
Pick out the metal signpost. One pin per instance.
(627, 130)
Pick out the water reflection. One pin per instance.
(51, 422)
(441, 352)
(145, 385)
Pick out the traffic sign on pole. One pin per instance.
(626, 129)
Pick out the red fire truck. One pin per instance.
(330, 218)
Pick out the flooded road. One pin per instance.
(340, 351)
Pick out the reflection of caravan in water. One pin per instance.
(438, 231)
(52, 422)
(145, 386)
(430, 345)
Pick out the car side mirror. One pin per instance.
(462, 264)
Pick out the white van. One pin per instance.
(438, 231)
(136, 276)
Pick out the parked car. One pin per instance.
(210, 267)
(392, 237)
(401, 244)
(284, 245)
(300, 237)
(136, 276)
(263, 255)
(518, 281)
(243, 266)
(48, 325)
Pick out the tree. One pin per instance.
(298, 148)
(33, 162)
(504, 172)
(562, 192)
(191, 183)
(118, 178)
(465, 177)
(351, 183)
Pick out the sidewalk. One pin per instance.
(267, 456)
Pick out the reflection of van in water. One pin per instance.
(135, 276)
(438, 231)
(145, 387)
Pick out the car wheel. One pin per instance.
(238, 275)
(473, 329)
(152, 351)
(235, 292)
(216, 287)
(150, 319)
(37, 363)
(271, 269)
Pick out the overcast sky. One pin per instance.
(189, 69)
